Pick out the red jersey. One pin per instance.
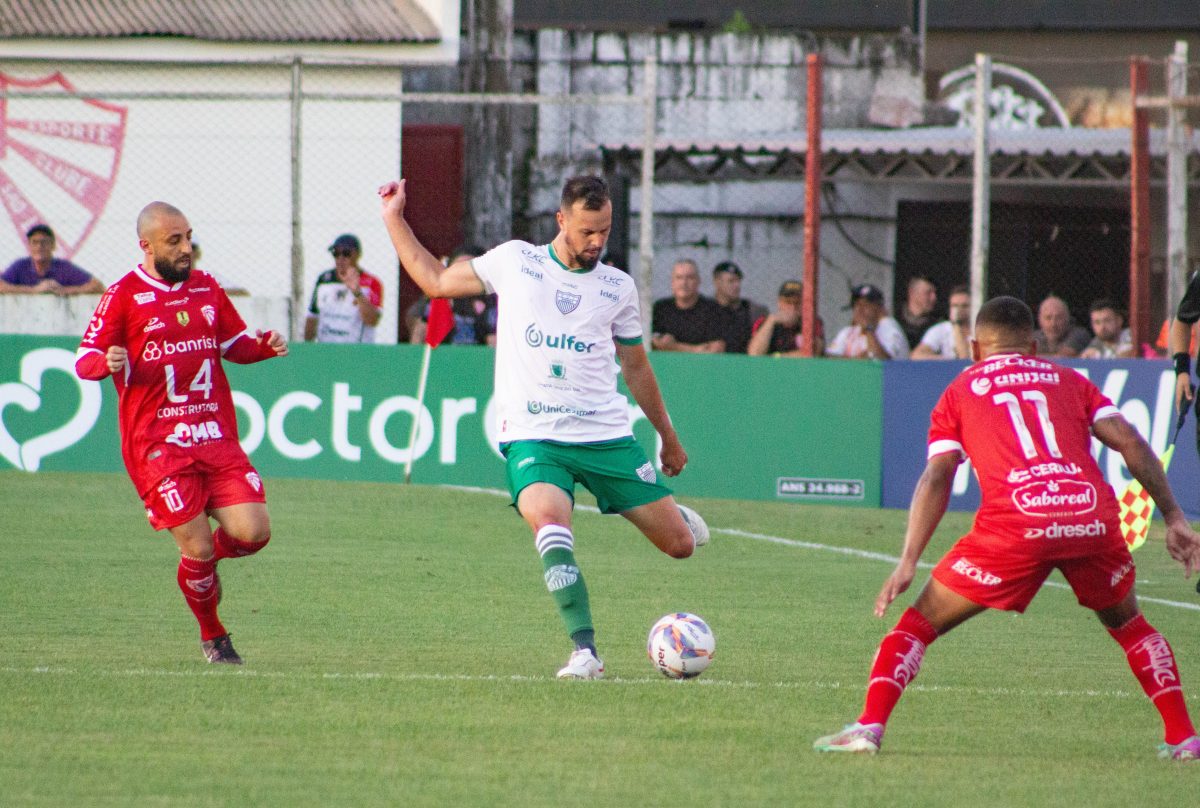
(1025, 424)
(174, 401)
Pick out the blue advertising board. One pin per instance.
(1142, 389)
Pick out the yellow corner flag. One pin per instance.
(1136, 508)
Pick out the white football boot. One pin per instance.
(695, 524)
(583, 664)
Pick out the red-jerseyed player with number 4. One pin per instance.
(1026, 426)
(161, 332)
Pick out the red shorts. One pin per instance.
(213, 480)
(1000, 578)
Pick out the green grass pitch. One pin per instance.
(401, 650)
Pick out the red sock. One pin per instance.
(1153, 663)
(198, 582)
(896, 664)
(226, 546)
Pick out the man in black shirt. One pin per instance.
(740, 314)
(687, 321)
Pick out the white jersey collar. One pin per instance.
(156, 283)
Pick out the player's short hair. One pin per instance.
(961, 289)
(1104, 303)
(1006, 314)
(592, 191)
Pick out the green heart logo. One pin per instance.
(27, 394)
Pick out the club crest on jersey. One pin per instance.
(210, 314)
(558, 370)
(182, 317)
(566, 301)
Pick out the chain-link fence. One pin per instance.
(702, 138)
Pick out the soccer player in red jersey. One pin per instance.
(161, 332)
(1026, 426)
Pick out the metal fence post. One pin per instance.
(297, 296)
(1177, 190)
(981, 190)
(646, 237)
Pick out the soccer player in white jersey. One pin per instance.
(565, 319)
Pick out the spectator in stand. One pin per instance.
(474, 317)
(778, 333)
(42, 273)
(1057, 334)
(687, 321)
(739, 314)
(1162, 346)
(872, 334)
(1112, 340)
(347, 300)
(917, 314)
(949, 339)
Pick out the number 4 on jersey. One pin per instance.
(202, 383)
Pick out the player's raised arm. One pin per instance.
(456, 280)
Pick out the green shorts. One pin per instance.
(615, 471)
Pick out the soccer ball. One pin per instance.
(681, 645)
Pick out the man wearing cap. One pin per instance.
(738, 314)
(779, 333)
(347, 300)
(41, 272)
(687, 321)
(871, 333)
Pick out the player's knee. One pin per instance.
(682, 544)
(252, 539)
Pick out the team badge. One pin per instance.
(60, 155)
(182, 317)
(558, 370)
(646, 472)
(254, 480)
(210, 314)
(566, 301)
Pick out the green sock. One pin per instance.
(563, 578)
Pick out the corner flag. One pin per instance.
(1135, 506)
(438, 324)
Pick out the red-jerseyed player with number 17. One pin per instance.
(1026, 426)
(161, 332)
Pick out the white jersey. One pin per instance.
(556, 356)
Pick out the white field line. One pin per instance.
(250, 673)
(829, 548)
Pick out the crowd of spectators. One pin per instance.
(729, 323)
(347, 302)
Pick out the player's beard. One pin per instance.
(588, 261)
(169, 273)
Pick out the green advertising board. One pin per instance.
(753, 427)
